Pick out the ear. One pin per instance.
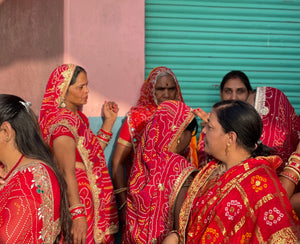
(8, 131)
(232, 137)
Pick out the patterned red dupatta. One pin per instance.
(155, 173)
(139, 115)
(247, 204)
(105, 221)
(279, 119)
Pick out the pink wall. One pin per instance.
(105, 37)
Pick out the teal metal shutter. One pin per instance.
(203, 40)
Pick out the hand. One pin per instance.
(110, 110)
(79, 230)
(201, 114)
(172, 238)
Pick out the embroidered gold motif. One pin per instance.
(258, 183)
(161, 187)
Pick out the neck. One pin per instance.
(235, 158)
(10, 160)
(72, 108)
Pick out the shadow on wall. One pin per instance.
(32, 43)
(30, 29)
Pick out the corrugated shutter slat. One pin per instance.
(203, 40)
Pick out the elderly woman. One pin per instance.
(236, 198)
(157, 171)
(33, 202)
(79, 154)
(161, 85)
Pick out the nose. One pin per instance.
(87, 90)
(166, 93)
(234, 96)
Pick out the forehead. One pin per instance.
(166, 80)
(235, 83)
(81, 78)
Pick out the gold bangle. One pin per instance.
(122, 206)
(122, 189)
(105, 142)
(294, 157)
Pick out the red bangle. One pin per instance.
(290, 177)
(106, 133)
(77, 211)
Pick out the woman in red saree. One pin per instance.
(158, 170)
(79, 154)
(161, 85)
(33, 202)
(238, 197)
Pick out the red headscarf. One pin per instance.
(139, 115)
(279, 119)
(157, 171)
(53, 116)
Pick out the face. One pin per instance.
(165, 89)
(234, 89)
(77, 94)
(184, 141)
(215, 139)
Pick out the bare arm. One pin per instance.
(64, 148)
(288, 185)
(110, 111)
(120, 157)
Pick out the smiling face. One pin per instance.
(165, 89)
(215, 139)
(234, 89)
(77, 93)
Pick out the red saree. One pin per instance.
(94, 183)
(279, 119)
(155, 173)
(29, 205)
(247, 204)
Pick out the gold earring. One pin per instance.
(178, 141)
(227, 149)
(63, 104)
(7, 138)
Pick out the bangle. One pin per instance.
(104, 136)
(100, 139)
(294, 156)
(294, 165)
(122, 206)
(122, 189)
(77, 211)
(295, 171)
(290, 177)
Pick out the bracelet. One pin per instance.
(122, 189)
(294, 156)
(77, 211)
(104, 136)
(295, 171)
(100, 139)
(294, 165)
(122, 206)
(290, 177)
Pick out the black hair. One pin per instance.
(236, 74)
(243, 119)
(193, 126)
(78, 69)
(30, 143)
